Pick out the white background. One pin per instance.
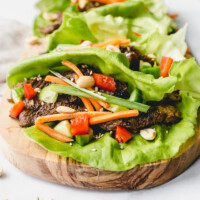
(15, 185)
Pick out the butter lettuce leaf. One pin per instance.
(115, 21)
(173, 45)
(188, 76)
(53, 5)
(107, 62)
(73, 30)
(109, 156)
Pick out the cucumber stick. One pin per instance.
(63, 127)
(17, 94)
(84, 139)
(136, 96)
(47, 95)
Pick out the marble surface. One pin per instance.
(15, 185)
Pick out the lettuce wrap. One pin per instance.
(115, 21)
(183, 76)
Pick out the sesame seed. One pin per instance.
(70, 143)
(25, 79)
(42, 103)
(94, 150)
(91, 72)
(99, 93)
(167, 131)
(111, 132)
(101, 110)
(121, 147)
(86, 109)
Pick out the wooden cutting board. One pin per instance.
(36, 161)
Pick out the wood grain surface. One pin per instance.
(36, 161)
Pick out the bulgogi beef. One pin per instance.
(156, 115)
(134, 56)
(52, 27)
(89, 5)
(35, 108)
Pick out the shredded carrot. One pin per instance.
(87, 104)
(188, 50)
(52, 132)
(95, 104)
(103, 104)
(113, 116)
(54, 79)
(137, 34)
(109, 1)
(73, 67)
(93, 101)
(173, 16)
(70, 49)
(60, 117)
(114, 42)
(85, 101)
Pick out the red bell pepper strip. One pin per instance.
(104, 82)
(166, 63)
(80, 125)
(17, 109)
(29, 91)
(122, 135)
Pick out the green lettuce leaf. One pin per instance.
(109, 63)
(53, 5)
(115, 21)
(173, 45)
(188, 76)
(72, 31)
(109, 156)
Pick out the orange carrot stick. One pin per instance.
(173, 16)
(54, 79)
(114, 42)
(87, 104)
(113, 116)
(137, 34)
(73, 67)
(52, 133)
(60, 117)
(109, 1)
(95, 104)
(103, 104)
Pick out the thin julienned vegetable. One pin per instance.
(113, 116)
(91, 93)
(110, 99)
(52, 133)
(114, 42)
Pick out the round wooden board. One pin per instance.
(36, 161)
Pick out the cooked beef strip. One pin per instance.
(134, 56)
(52, 27)
(156, 115)
(35, 108)
(89, 5)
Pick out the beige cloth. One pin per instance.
(12, 41)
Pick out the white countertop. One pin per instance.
(15, 185)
